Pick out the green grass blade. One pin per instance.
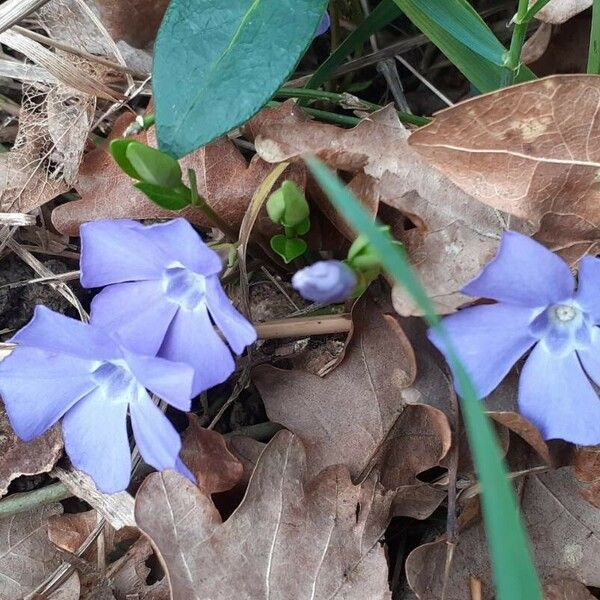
(460, 33)
(593, 66)
(382, 14)
(513, 566)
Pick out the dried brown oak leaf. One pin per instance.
(26, 555)
(559, 11)
(533, 151)
(292, 536)
(26, 458)
(366, 413)
(206, 455)
(224, 179)
(134, 21)
(587, 470)
(563, 528)
(454, 235)
(566, 589)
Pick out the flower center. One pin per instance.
(563, 313)
(184, 287)
(117, 381)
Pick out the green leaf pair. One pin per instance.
(157, 174)
(288, 207)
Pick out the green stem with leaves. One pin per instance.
(512, 61)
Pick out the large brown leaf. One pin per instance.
(26, 458)
(290, 538)
(531, 150)
(367, 412)
(454, 234)
(26, 555)
(224, 179)
(563, 528)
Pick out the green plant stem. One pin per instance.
(593, 66)
(199, 202)
(345, 100)
(17, 503)
(535, 9)
(512, 61)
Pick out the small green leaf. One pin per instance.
(216, 64)
(303, 228)
(287, 206)
(288, 248)
(118, 149)
(169, 198)
(153, 166)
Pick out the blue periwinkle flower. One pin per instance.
(326, 281)
(324, 25)
(537, 308)
(62, 368)
(163, 295)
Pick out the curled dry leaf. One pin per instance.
(26, 458)
(559, 11)
(366, 413)
(537, 44)
(224, 179)
(134, 21)
(563, 528)
(454, 234)
(206, 455)
(292, 537)
(532, 150)
(26, 555)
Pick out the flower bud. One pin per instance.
(327, 281)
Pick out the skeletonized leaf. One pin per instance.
(365, 413)
(298, 538)
(533, 151)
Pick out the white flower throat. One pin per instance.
(184, 287)
(563, 327)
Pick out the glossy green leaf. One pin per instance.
(288, 248)
(287, 206)
(216, 63)
(169, 198)
(385, 12)
(153, 166)
(513, 566)
(118, 150)
(458, 31)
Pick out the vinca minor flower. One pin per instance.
(537, 308)
(326, 281)
(62, 368)
(163, 295)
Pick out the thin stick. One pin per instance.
(304, 327)
(18, 503)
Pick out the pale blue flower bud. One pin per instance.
(326, 282)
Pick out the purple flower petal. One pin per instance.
(116, 251)
(180, 242)
(556, 395)
(95, 435)
(590, 357)
(171, 381)
(38, 387)
(157, 439)
(54, 332)
(181, 468)
(238, 332)
(137, 313)
(324, 24)
(524, 273)
(489, 340)
(191, 339)
(588, 293)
